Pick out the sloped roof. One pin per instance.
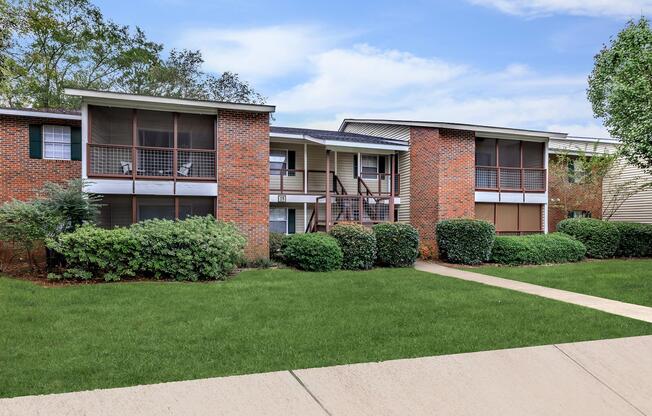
(339, 136)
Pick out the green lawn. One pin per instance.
(107, 335)
(625, 280)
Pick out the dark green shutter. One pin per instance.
(571, 171)
(292, 221)
(381, 164)
(35, 141)
(355, 166)
(75, 143)
(395, 172)
(292, 162)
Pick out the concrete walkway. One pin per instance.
(629, 310)
(607, 377)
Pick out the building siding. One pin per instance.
(636, 208)
(380, 130)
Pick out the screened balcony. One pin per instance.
(509, 165)
(126, 143)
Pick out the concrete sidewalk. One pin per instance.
(607, 377)
(629, 310)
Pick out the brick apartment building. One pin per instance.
(153, 157)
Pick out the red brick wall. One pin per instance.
(243, 176)
(442, 177)
(20, 176)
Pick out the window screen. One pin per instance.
(278, 220)
(485, 152)
(115, 211)
(509, 153)
(195, 206)
(155, 207)
(195, 131)
(111, 125)
(56, 142)
(155, 128)
(533, 154)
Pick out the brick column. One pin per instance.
(243, 176)
(442, 177)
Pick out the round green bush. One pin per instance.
(275, 245)
(197, 248)
(314, 252)
(358, 244)
(537, 249)
(635, 239)
(397, 244)
(601, 238)
(465, 241)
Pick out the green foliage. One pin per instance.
(537, 249)
(198, 248)
(313, 252)
(275, 246)
(90, 251)
(358, 245)
(71, 203)
(47, 45)
(601, 238)
(397, 244)
(465, 241)
(24, 225)
(621, 93)
(635, 239)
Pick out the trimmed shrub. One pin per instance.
(635, 239)
(95, 252)
(275, 246)
(465, 241)
(197, 248)
(397, 244)
(358, 244)
(601, 238)
(537, 249)
(313, 252)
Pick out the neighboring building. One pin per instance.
(153, 157)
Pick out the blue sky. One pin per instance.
(511, 63)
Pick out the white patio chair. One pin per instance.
(184, 170)
(126, 167)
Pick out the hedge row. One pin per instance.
(601, 238)
(351, 246)
(198, 248)
(465, 241)
(537, 249)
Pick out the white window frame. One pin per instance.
(367, 175)
(287, 221)
(45, 142)
(286, 161)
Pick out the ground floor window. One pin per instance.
(512, 219)
(278, 220)
(579, 214)
(123, 210)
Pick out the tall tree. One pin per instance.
(47, 45)
(620, 91)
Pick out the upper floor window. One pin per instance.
(56, 142)
(278, 161)
(369, 166)
(575, 171)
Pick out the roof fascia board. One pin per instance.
(42, 114)
(118, 97)
(454, 126)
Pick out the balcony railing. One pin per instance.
(367, 210)
(110, 160)
(495, 178)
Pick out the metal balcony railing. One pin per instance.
(496, 178)
(110, 160)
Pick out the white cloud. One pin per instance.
(364, 77)
(257, 53)
(618, 8)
